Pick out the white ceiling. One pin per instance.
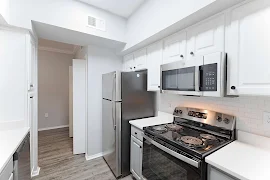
(70, 37)
(122, 8)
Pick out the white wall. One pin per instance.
(100, 61)
(4, 11)
(156, 15)
(69, 14)
(53, 91)
(248, 110)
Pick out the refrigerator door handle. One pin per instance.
(118, 118)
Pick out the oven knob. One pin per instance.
(219, 119)
(226, 120)
(180, 111)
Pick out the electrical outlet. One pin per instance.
(266, 119)
(46, 115)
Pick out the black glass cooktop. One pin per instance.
(197, 141)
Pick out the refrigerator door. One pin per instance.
(137, 103)
(110, 135)
(111, 86)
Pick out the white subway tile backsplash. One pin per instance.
(248, 110)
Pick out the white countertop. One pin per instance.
(162, 118)
(9, 142)
(243, 160)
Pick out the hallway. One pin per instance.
(57, 161)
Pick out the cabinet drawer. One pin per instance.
(137, 133)
(7, 171)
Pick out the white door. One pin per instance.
(206, 37)
(70, 101)
(136, 158)
(154, 60)
(128, 63)
(174, 47)
(140, 59)
(79, 105)
(248, 49)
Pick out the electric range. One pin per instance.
(177, 150)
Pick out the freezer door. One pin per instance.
(110, 135)
(137, 102)
(111, 86)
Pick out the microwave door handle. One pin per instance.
(197, 78)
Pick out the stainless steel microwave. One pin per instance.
(201, 76)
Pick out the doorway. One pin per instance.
(61, 84)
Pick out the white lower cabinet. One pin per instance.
(7, 172)
(215, 174)
(136, 157)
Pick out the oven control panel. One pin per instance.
(208, 77)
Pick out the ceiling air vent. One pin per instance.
(96, 23)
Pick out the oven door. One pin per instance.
(180, 78)
(160, 162)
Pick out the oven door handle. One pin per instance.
(173, 153)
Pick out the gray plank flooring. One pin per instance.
(57, 161)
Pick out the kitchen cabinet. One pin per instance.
(7, 172)
(13, 75)
(136, 146)
(140, 59)
(154, 60)
(135, 61)
(32, 64)
(128, 63)
(174, 48)
(206, 37)
(248, 49)
(215, 174)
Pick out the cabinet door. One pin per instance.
(174, 48)
(206, 37)
(248, 49)
(128, 63)
(13, 76)
(140, 59)
(136, 158)
(154, 60)
(32, 66)
(215, 174)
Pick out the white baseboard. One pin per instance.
(56, 127)
(93, 156)
(35, 172)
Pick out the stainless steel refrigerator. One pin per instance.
(124, 98)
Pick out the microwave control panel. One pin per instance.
(208, 77)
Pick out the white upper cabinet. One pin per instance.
(248, 49)
(140, 59)
(154, 60)
(128, 63)
(206, 37)
(174, 48)
(32, 64)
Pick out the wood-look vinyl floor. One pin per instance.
(57, 161)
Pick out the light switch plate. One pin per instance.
(46, 115)
(266, 119)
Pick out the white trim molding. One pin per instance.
(55, 127)
(43, 48)
(87, 157)
(35, 172)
